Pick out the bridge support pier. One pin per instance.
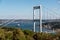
(34, 26)
(40, 17)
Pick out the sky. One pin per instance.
(23, 9)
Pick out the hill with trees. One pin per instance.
(11, 33)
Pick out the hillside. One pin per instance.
(10, 33)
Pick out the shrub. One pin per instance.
(29, 37)
(8, 28)
(28, 32)
(58, 35)
(2, 34)
(44, 36)
(18, 35)
(9, 35)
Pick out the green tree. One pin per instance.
(18, 35)
(9, 35)
(2, 34)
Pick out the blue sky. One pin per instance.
(22, 9)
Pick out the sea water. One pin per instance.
(28, 26)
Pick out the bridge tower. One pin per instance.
(40, 17)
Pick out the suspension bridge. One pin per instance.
(50, 18)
